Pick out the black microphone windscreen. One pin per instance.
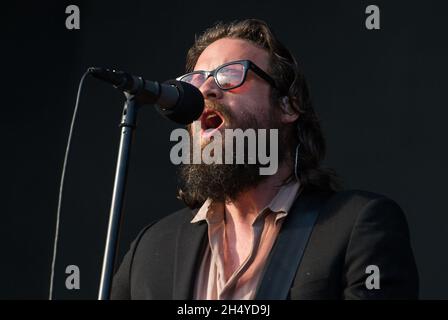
(190, 103)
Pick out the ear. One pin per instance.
(289, 113)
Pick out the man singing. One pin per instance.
(289, 235)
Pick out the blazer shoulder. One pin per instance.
(353, 202)
(344, 209)
(358, 196)
(166, 226)
(179, 217)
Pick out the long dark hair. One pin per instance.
(290, 82)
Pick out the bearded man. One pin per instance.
(243, 235)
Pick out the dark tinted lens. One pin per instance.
(230, 76)
(195, 79)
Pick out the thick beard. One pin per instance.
(225, 182)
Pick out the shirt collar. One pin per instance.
(280, 204)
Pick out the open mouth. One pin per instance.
(211, 121)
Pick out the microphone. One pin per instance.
(179, 101)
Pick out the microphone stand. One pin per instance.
(127, 125)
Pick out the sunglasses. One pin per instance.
(228, 76)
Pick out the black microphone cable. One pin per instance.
(61, 185)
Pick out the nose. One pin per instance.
(210, 89)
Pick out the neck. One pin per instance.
(246, 207)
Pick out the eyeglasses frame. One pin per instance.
(247, 65)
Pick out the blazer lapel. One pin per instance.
(191, 241)
(287, 252)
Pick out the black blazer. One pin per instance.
(354, 229)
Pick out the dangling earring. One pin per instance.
(296, 164)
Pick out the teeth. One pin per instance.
(212, 121)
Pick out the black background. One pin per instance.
(380, 94)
